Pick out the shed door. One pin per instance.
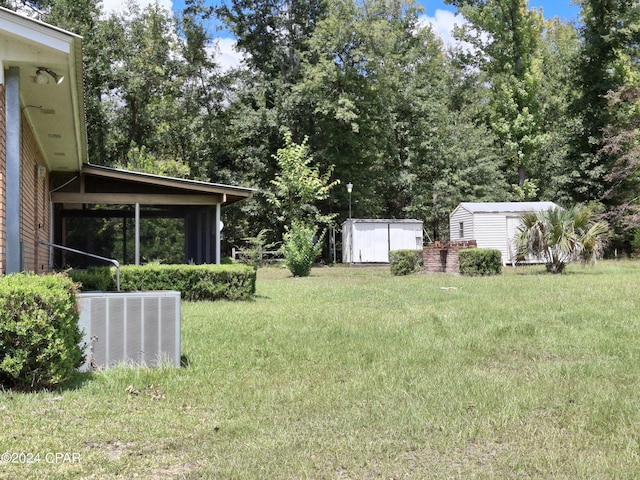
(371, 243)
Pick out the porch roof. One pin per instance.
(105, 185)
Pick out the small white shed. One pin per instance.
(371, 240)
(492, 224)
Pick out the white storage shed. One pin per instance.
(371, 240)
(492, 224)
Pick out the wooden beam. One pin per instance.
(133, 198)
(179, 212)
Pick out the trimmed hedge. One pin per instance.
(39, 334)
(95, 278)
(194, 282)
(480, 261)
(404, 262)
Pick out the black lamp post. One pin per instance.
(349, 189)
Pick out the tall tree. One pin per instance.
(610, 33)
(358, 66)
(505, 38)
(379, 86)
(621, 141)
(559, 49)
(274, 34)
(261, 104)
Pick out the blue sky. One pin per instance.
(551, 8)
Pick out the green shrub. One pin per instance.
(299, 249)
(479, 261)
(404, 262)
(94, 278)
(229, 281)
(194, 282)
(39, 334)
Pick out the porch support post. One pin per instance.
(51, 239)
(207, 251)
(217, 233)
(13, 253)
(137, 234)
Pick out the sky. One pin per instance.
(441, 16)
(551, 8)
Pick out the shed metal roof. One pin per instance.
(382, 220)
(506, 207)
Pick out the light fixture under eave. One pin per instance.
(42, 79)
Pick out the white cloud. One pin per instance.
(225, 53)
(442, 24)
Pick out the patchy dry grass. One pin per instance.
(356, 374)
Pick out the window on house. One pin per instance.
(461, 231)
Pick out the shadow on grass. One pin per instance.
(76, 382)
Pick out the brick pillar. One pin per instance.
(442, 257)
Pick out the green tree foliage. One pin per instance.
(379, 87)
(621, 143)
(361, 65)
(299, 186)
(272, 36)
(505, 37)
(559, 49)
(560, 236)
(273, 32)
(611, 34)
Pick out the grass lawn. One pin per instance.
(355, 374)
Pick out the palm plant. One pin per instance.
(560, 236)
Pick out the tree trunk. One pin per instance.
(522, 175)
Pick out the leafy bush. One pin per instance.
(39, 334)
(299, 248)
(94, 278)
(195, 282)
(480, 261)
(404, 262)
